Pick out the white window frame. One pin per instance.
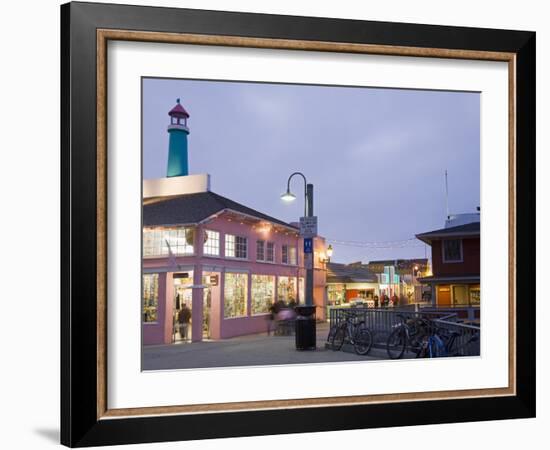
(272, 261)
(218, 239)
(161, 235)
(234, 245)
(284, 249)
(292, 251)
(451, 261)
(263, 243)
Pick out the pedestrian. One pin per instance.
(273, 310)
(376, 301)
(184, 317)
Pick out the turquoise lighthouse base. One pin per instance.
(178, 164)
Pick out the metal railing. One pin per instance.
(381, 322)
(467, 341)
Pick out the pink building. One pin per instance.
(226, 262)
(223, 261)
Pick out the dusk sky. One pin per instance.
(376, 157)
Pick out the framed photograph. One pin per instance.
(277, 224)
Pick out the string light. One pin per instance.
(411, 242)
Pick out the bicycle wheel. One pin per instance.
(331, 333)
(397, 341)
(424, 351)
(362, 339)
(338, 337)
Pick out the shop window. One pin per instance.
(211, 243)
(150, 297)
(270, 252)
(235, 246)
(235, 294)
(336, 294)
(460, 295)
(475, 297)
(452, 250)
(260, 251)
(162, 241)
(286, 289)
(263, 293)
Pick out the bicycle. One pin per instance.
(442, 343)
(409, 333)
(356, 332)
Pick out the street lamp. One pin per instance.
(305, 321)
(288, 196)
(326, 257)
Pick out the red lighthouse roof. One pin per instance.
(178, 111)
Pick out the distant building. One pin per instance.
(400, 277)
(348, 282)
(455, 264)
(226, 262)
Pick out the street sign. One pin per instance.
(308, 245)
(308, 226)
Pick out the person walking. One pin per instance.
(184, 317)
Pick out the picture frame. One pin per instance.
(86, 419)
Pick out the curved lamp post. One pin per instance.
(288, 196)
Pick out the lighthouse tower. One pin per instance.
(178, 164)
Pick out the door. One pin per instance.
(206, 307)
(183, 296)
(443, 296)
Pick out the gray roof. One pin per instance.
(469, 229)
(194, 208)
(349, 273)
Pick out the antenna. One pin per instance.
(447, 195)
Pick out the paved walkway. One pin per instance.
(253, 350)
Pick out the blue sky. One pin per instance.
(375, 156)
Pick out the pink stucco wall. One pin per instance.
(200, 264)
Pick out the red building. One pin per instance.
(455, 265)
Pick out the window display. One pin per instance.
(150, 297)
(263, 293)
(336, 294)
(235, 294)
(286, 289)
(475, 295)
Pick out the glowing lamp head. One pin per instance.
(288, 196)
(329, 251)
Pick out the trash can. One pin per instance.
(306, 336)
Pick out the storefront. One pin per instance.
(458, 294)
(350, 283)
(227, 270)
